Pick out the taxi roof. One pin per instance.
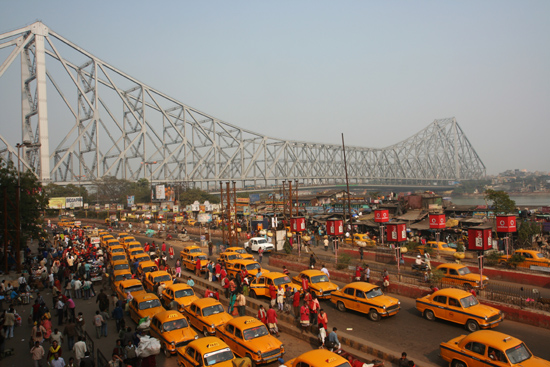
(234, 248)
(205, 302)
(195, 254)
(208, 344)
(364, 286)
(158, 273)
(452, 266)
(121, 272)
(113, 240)
(126, 238)
(244, 261)
(229, 253)
(134, 242)
(494, 338)
(141, 297)
(311, 272)
(321, 357)
(130, 283)
(452, 292)
(190, 247)
(245, 322)
(143, 264)
(142, 255)
(274, 274)
(118, 262)
(132, 250)
(178, 286)
(168, 315)
(121, 234)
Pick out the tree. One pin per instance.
(501, 201)
(54, 191)
(191, 195)
(32, 201)
(526, 232)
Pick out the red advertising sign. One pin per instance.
(298, 224)
(335, 227)
(381, 215)
(437, 221)
(396, 232)
(506, 223)
(480, 239)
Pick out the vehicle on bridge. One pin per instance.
(256, 243)
(460, 307)
(488, 348)
(249, 337)
(366, 298)
(461, 276)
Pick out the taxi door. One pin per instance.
(149, 283)
(477, 354)
(194, 313)
(167, 297)
(439, 307)
(259, 287)
(455, 311)
(134, 311)
(190, 263)
(229, 338)
(237, 346)
(189, 356)
(360, 302)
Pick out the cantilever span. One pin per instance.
(83, 119)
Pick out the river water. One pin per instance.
(521, 200)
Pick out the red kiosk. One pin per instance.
(381, 216)
(480, 239)
(397, 233)
(298, 225)
(437, 222)
(335, 228)
(506, 223)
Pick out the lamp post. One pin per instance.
(150, 163)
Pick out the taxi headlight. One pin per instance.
(485, 318)
(197, 336)
(260, 353)
(337, 288)
(398, 302)
(477, 281)
(384, 307)
(282, 346)
(173, 344)
(212, 326)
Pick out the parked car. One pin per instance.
(256, 243)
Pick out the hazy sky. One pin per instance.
(377, 71)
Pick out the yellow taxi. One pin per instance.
(248, 337)
(532, 258)
(111, 242)
(206, 314)
(118, 256)
(360, 239)
(146, 267)
(488, 348)
(161, 277)
(181, 293)
(318, 282)
(189, 261)
(119, 276)
(126, 239)
(144, 305)
(260, 285)
(117, 249)
(132, 245)
(461, 275)
(318, 358)
(132, 286)
(229, 256)
(119, 265)
(191, 222)
(121, 236)
(459, 306)
(132, 254)
(442, 247)
(172, 330)
(103, 240)
(365, 298)
(240, 250)
(209, 351)
(141, 258)
(251, 266)
(189, 250)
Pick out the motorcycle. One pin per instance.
(422, 267)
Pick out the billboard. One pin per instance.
(74, 202)
(56, 203)
(159, 192)
(130, 200)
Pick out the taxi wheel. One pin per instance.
(167, 353)
(205, 332)
(252, 363)
(429, 315)
(456, 363)
(341, 307)
(472, 326)
(374, 315)
(252, 294)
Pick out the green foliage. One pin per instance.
(189, 196)
(411, 246)
(436, 275)
(287, 246)
(460, 246)
(501, 201)
(492, 258)
(343, 261)
(526, 231)
(59, 191)
(515, 259)
(32, 201)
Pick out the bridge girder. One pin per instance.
(108, 123)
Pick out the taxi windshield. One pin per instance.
(149, 269)
(163, 278)
(518, 354)
(119, 257)
(202, 257)
(149, 304)
(240, 251)
(444, 245)
(539, 255)
(464, 271)
(120, 277)
(142, 258)
(469, 301)
(121, 266)
(184, 293)
(218, 356)
(253, 266)
(174, 325)
(197, 249)
(319, 279)
(281, 280)
(233, 257)
(374, 293)
(346, 364)
(119, 249)
(255, 332)
(212, 310)
(134, 288)
(137, 252)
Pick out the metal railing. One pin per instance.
(101, 361)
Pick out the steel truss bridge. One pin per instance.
(83, 120)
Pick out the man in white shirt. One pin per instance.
(79, 350)
(78, 288)
(325, 270)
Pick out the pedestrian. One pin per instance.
(98, 321)
(116, 361)
(280, 297)
(332, 343)
(304, 316)
(358, 270)
(54, 349)
(325, 270)
(56, 336)
(305, 283)
(118, 315)
(130, 353)
(241, 304)
(272, 321)
(262, 314)
(313, 310)
(9, 322)
(325, 243)
(260, 254)
(296, 303)
(57, 361)
(403, 361)
(70, 331)
(87, 361)
(71, 363)
(361, 253)
(367, 273)
(103, 301)
(273, 294)
(322, 319)
(80, 324)
(411, 364)
(198, 267)
(60, 306)
(37, 333)
(38, 354)
(232, 300)
(312, 261)
(79, 349)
